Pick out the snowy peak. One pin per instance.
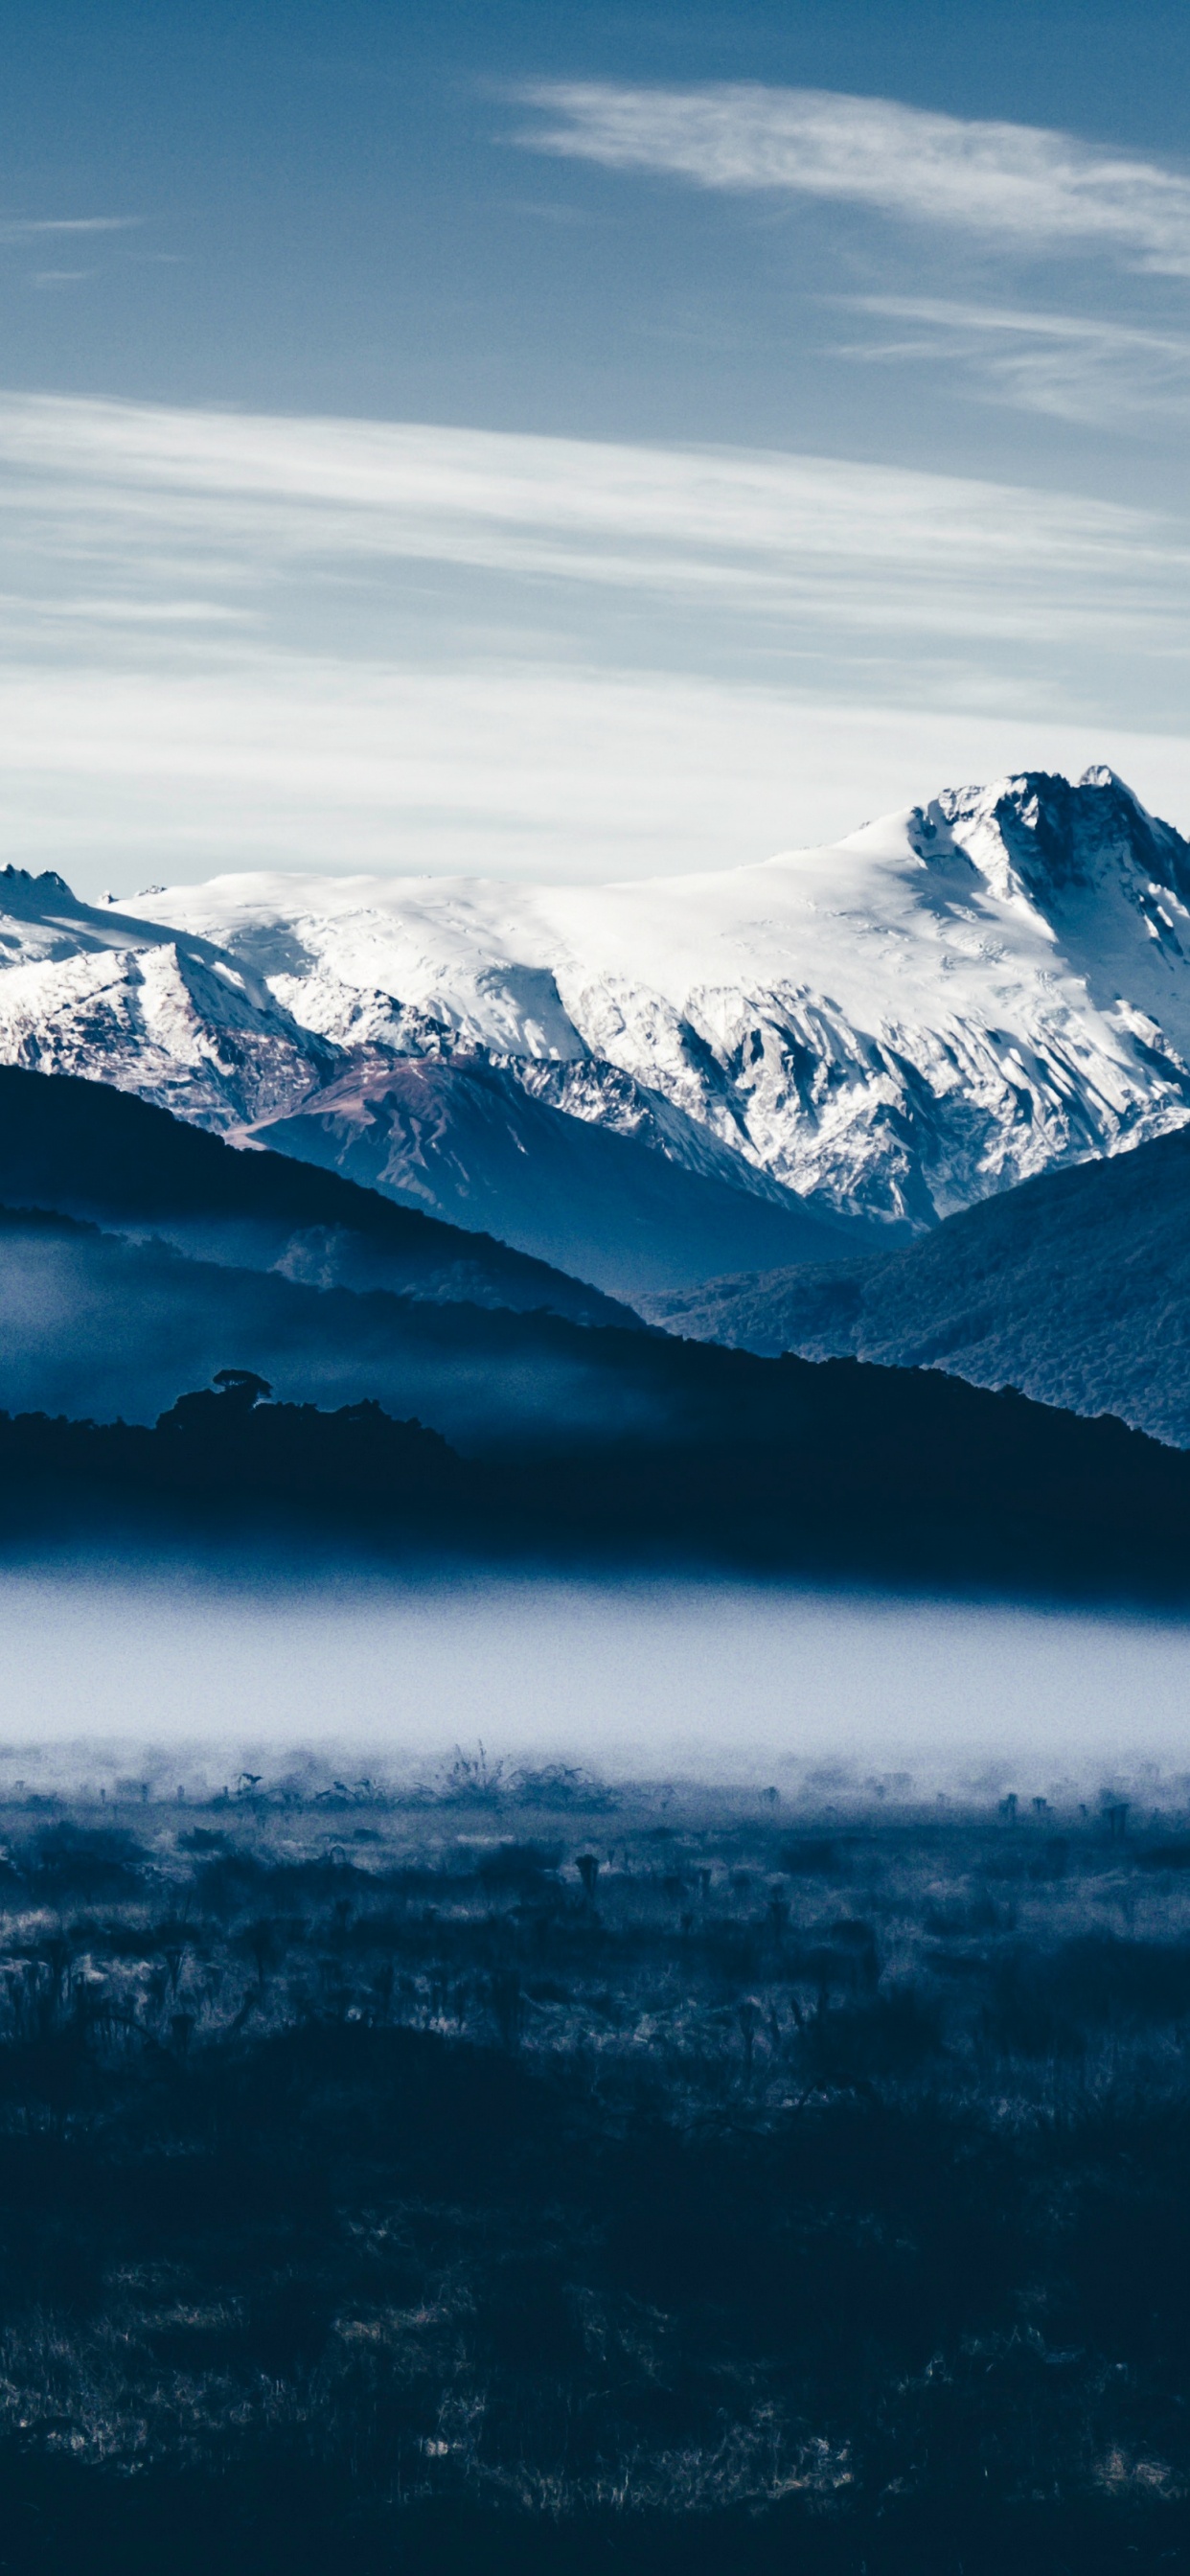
(18, 887)
(43, 922)
(1047, 840)
(92, 990)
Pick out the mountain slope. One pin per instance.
(1074, 1287)
(88, 989)
(87, 1150)
(469, 1141)
(567, 1162)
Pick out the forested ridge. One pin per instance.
(780, 1463)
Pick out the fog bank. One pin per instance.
(720, 1681)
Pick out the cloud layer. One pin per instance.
(145, 775)
(234, 640)
(1019, 185)
(235, 499)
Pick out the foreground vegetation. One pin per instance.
(526, 2175)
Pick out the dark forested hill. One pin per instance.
(88, 1150)
(96, 1322)
(700, 1454)
(573, 1432)
(1074, 1287)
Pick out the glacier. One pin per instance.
(950, 1000)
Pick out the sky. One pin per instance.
(583, 440)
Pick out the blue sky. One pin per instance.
(579, 440)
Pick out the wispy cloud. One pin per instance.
(96, 611)
(760, 535)
(1023, 185)
(23, 229)
(1069, 365)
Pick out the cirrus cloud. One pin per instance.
(241, 498)
(22, 228)
(1024, 185)
(1076, 367)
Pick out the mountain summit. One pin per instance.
(872, 1035)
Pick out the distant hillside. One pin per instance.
(1074, 1287)
(472, 1142)
(92, 1323)
(87, 1150)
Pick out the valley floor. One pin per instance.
(530, 2174)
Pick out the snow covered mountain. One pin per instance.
(945, 1003)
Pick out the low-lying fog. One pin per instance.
(720, 1681)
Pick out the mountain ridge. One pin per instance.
(842, 1470)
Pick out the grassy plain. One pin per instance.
(529, 2174)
